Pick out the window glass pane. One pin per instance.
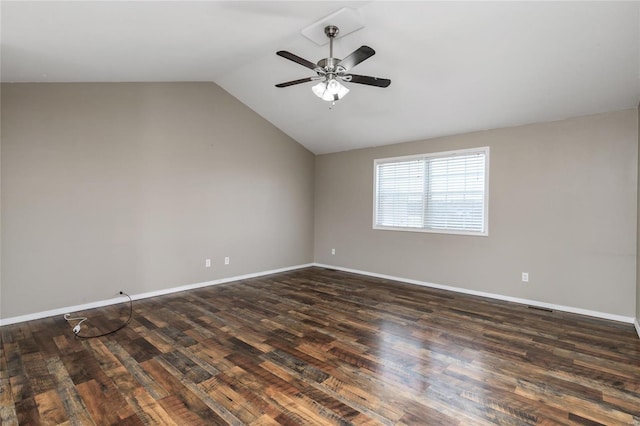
(400, 192)
(433, 192)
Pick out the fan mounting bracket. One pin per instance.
(331, 31)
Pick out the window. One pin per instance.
(444, 192)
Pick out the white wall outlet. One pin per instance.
(333, 251)
(207, 263)
(226, 260)
(525, 277)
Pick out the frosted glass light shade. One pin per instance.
(329, 90)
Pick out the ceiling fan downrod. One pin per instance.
(331, 31)
(330, 64)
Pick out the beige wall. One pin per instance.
(562, 208)
(131, 186)
(638, 236)
(109, 187)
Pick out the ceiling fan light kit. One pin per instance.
(330, 90)
(331, 71)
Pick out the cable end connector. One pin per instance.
(76, 329)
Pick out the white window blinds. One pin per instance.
(442, 192)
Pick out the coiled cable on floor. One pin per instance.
(76, 328)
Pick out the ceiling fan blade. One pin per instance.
(297, 59)
(365, 79)
(291, 83)
(357, 56)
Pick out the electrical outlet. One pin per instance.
(226, 260)
(525, 277)
(207, 263)
(333, 252)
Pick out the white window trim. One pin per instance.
(484, 149)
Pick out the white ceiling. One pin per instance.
(455, 67)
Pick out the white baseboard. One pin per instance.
(596, 314)
(98, 304)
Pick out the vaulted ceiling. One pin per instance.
(455, 67)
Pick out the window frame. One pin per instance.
(484, 150)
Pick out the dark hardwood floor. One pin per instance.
(317, 346)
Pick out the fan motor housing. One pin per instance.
(329, 64)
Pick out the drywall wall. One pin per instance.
(132, 186)
(638, 236)
(562, 207)
(0, 203)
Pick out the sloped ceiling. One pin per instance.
(455, 67)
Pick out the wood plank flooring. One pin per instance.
(316, 346)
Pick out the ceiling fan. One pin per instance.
(330, 71)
